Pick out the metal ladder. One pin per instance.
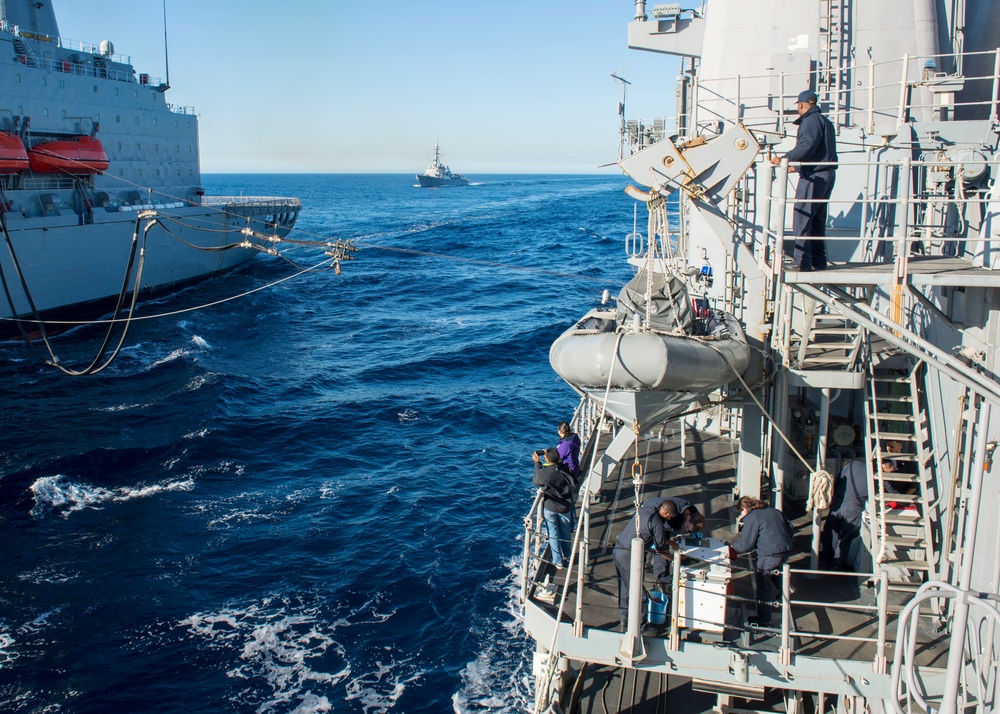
(23, 49)
(826, 341)
(903, 523)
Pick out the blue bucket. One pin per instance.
(656, 608)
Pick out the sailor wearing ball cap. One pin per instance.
(816, 146)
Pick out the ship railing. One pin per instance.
(916, 86)
(87, 69)
(254, 201)
(91, 49)
(72, 45)
(533, 550)
(904, 224)
(886, 238)
(792, 632)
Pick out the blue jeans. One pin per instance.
(559, 527)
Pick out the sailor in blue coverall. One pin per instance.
(816, 142)
(768, 531)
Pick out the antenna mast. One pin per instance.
(621, 113)
(166, 54)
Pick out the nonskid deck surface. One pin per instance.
(708, 480)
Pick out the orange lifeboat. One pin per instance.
(13, 157)
(79, 155)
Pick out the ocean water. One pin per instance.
(308, 499)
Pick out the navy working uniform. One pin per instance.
(843, 524)
(769, 532)
(654, 531)
(816, 142)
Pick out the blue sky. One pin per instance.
(337, 86)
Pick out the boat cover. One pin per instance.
(669, 304)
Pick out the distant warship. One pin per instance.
(437, 174)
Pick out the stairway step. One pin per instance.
(893, 416)
(899, 497)
(891, 380)
(909, 564)
(900, 517)
(852, 331)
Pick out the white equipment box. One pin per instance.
(705, 582)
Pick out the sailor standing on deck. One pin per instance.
(816, 143)
(569, 449)
(652, 517)
(768, 531)
(557, 485)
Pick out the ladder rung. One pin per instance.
(893, 416)
(899, 497)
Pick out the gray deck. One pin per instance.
(922, 270)
(708, 480)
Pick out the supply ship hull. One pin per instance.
(109, 157)
(886, 359)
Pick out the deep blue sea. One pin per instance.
(308, 499)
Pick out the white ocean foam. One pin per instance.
(408, 415)
(175, 355)
(201, 343)
(500, 678)
(7, 653)
(276, 641)
(289, 657)
(56, 493)
(378, 691)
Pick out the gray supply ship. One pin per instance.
(723, 371)
(100, 182)
(437, 174)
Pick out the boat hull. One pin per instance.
(79, 156)
(652, 376)
(73, 269)
(434, 181)
(13, 155)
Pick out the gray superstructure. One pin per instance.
(71, 228)
(888, 357)
(437, 174)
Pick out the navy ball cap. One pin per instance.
(807, 97)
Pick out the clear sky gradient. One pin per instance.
(510, 86)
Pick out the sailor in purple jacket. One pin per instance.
(569, 449)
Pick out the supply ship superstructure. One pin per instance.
(91, 155)
(890, 353)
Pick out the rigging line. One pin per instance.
(171, 313)
(763, 410)
(53, 360)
